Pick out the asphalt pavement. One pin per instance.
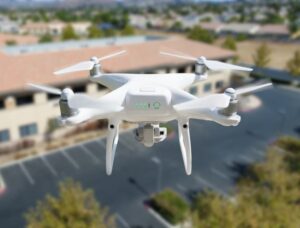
(219, 156)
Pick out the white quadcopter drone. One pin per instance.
(149, 100)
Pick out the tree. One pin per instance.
(11, 42)
(267, 195)
(46, 38)
(127, 30)
(229, 43)
(262, 56)
(74, 207)
(200, 34)
(95, 32)
(177, 26)
(68, 33)
(110, 32)
(293, 65)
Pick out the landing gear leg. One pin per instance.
(185, 144)
(111, 144)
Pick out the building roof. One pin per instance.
(18, 38)
(16, 71)
(241, 28)
(274, 29)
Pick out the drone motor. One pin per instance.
(96, 70)
(233, 104)
(65, 109)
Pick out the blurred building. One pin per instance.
(8, 26)
(26, 114)
(250, 30)
(54, 28)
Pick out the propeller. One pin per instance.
(75, 101)
(253, 88)
(210, 64)
(87, 65)
(219, 101)
(43, 88)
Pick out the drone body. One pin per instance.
(149, 100)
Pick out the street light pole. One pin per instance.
(157, 161)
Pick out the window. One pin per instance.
(52, 96)
(79, 89)
(1, 104)
(4, 136)
(28, 129)
(24, 100)
(194, 90)
(219, 84)
(207, 87)
(181, 70)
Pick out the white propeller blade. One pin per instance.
(178, 56)
(217, 65)
(86, 65)
(210, 101)
(112, 55)
(252, 88)
(211, 64)
(44, 88)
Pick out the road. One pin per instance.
(219, 155)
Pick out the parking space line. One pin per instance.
(210, 185)
(219, 173)
(258, 152)
(90, 154)
(229, 162)
(48, 165)
(181, 188)
(122, 220)
(70, 159)
(26, 173)
(246, 158)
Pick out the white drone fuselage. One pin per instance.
(149, 100)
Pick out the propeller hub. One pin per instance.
(67, 93)
(201, 60)
(95, 60)
(231, 92)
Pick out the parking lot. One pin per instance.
(219, 155)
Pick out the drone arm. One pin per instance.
(111, 80)
(185, 144)
(111, 144)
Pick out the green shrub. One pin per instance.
(171, 206)
(289, 143)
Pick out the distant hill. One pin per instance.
(78, 3)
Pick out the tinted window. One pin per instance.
(24, 100)
(28, 129)
(219, 84)
(207, 87)
(1, 104)
(52, 96)
(4, 136)
(79, 89)
(194, 90)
